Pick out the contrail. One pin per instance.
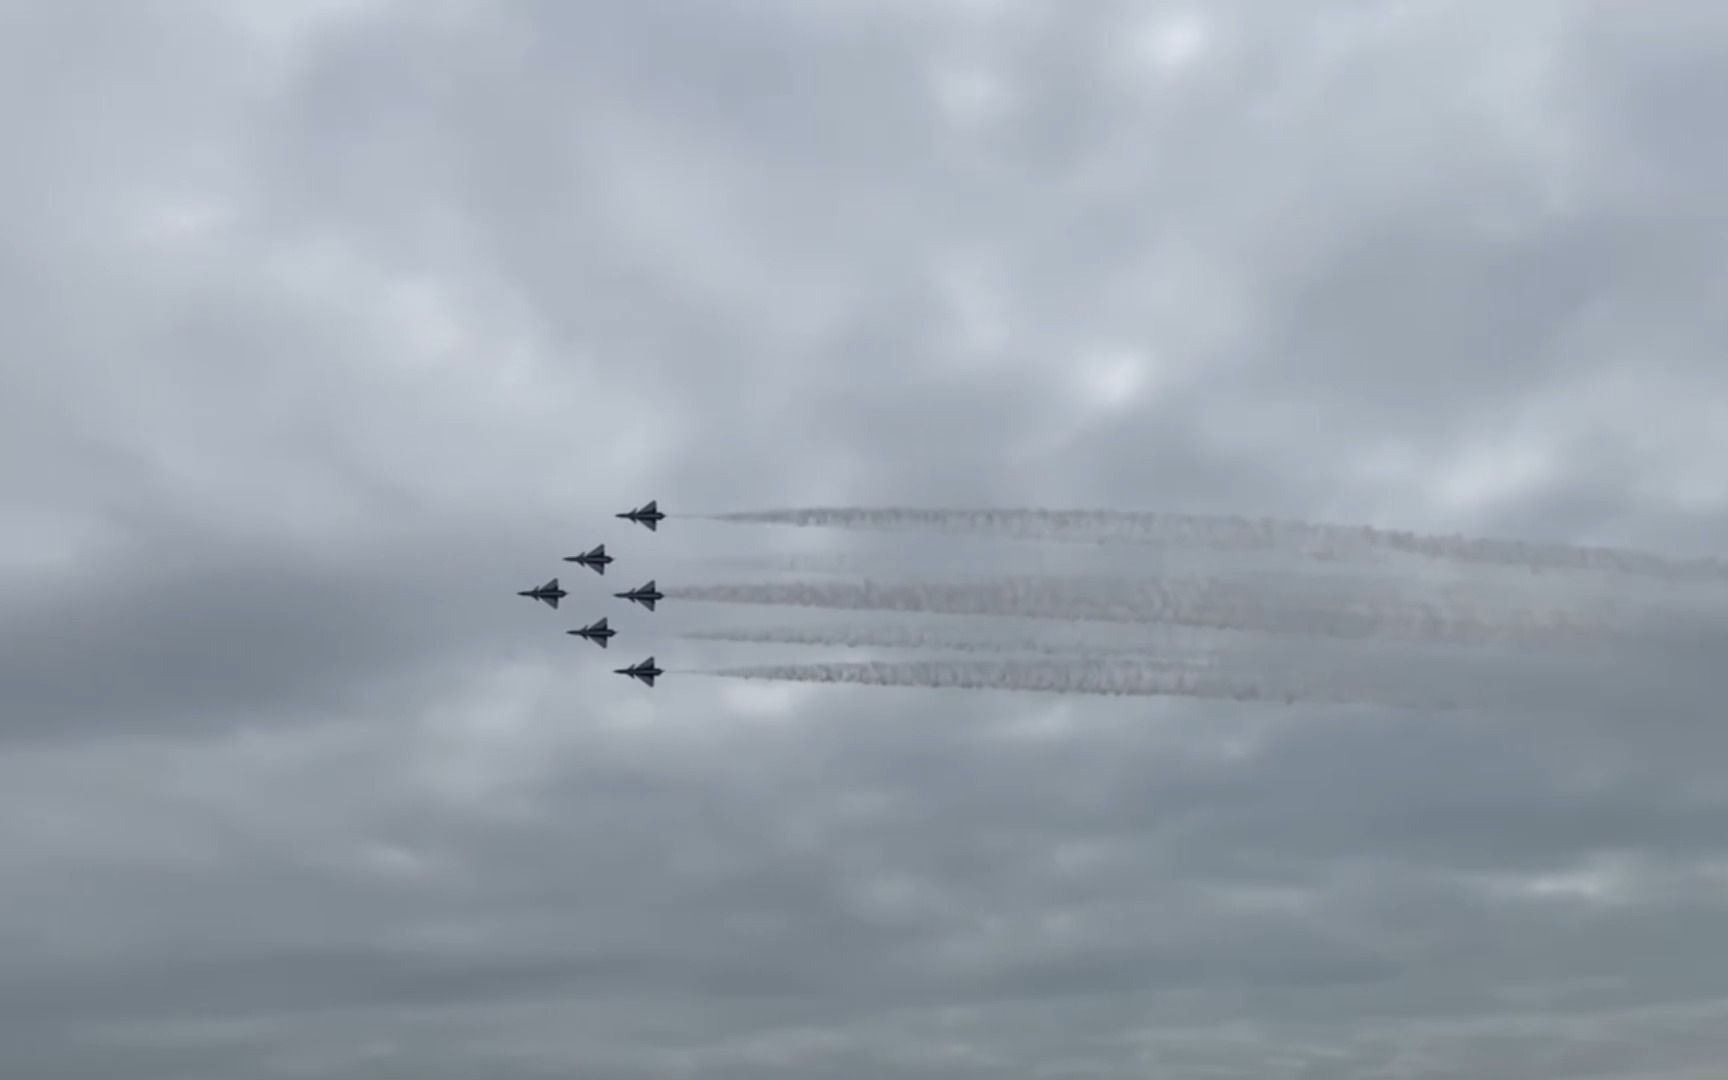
(1087, 677)
(972, 641)
(1208, 604)
(1232, 533)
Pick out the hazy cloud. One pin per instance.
(324, 328)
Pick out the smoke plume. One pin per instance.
(1230, 533)
(1208, 604)
(1093, 677)
(1183, 642)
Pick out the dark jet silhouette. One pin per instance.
(595, 560)
(548, 593)
(645, 671)
(643, 594)
(597, 632)
(647, 514)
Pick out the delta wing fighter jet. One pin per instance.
(594, 560)
(647, 514)
(548, 593)
(645, 595)
(644, 672)
(597, 632)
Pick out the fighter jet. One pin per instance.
(647, 514)
(548, 593)
(643, 594)
(595, 560)
(645, 671)
(597, 632)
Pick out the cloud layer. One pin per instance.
(327, 327)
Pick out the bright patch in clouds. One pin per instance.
(763, 701)
(1171, 44)
(970, 98)
(1053, 724)
(422, 313)
(172, 221)
(1485, 475)
(978, 310)
(1114, 378)
(1600, 881)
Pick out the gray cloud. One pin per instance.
(327, 328)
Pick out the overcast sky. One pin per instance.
(325, 327)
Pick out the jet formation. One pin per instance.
(647, 514)
(548, 594)
(597, 632)
(645, 671)
(596, 559)
(646, 595)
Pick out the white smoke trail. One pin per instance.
(1092, 677)
(1209, 604)
(1231, 533)
(827, 563)
(967, 641)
